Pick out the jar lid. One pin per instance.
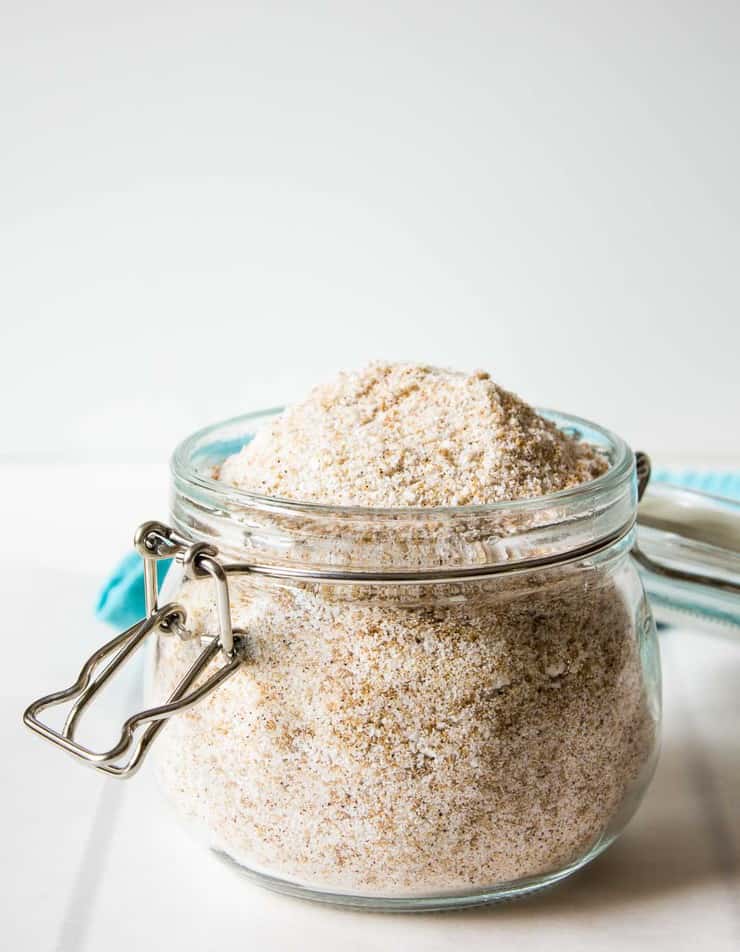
(688, 551)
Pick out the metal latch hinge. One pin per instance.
(154, 541)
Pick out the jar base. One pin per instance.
(436, 902)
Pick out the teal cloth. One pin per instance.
(121, 600)
(717, 484)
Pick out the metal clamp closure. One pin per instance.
(154, 541)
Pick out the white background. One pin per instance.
(207, 207)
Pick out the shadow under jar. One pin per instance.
(434, 707)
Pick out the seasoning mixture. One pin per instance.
(411, 435)
(390, 741)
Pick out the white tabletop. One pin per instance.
(98, 864)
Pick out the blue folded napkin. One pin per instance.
(121, 600)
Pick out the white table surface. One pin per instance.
(95, 864)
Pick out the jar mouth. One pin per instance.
(271, 530)
(209, 446)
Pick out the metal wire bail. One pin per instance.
(153, 541)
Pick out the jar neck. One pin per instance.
(251, 528)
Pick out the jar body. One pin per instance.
(418, 745)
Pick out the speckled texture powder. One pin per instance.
(411, 435)
(411, 740)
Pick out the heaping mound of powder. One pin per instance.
(394, 435)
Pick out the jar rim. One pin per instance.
(184, 468)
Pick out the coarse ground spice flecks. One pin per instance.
(410, 435)
(392, 740)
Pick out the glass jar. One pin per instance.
(400, 708)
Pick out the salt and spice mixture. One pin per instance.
(411, 435)
(412, 741)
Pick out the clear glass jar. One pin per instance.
(434, 707)
(409, 708)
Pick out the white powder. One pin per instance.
(404, 741)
